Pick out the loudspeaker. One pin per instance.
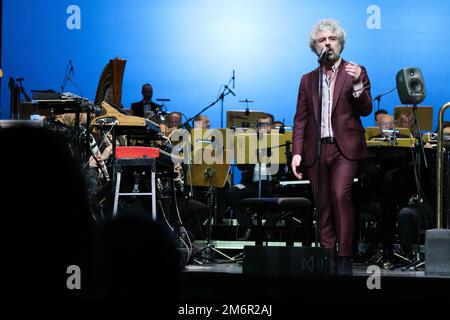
(285, 260)
(410, 85)
(437, 252)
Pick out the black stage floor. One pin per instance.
(224, 281)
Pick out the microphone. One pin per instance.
(20, 79)
(282, 129)
(247, 111)
(322, 55)
(71, 67)
(231, 91)
(233, 79)
(162, 99)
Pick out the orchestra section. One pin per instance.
(201, 173)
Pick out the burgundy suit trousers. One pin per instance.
(336, 214)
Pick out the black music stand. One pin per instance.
(211, 176)
(420, 152)
(161, 111)
(244, 118)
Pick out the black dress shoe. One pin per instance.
(344, 266)
(333, 265)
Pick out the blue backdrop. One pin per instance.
(188, 49)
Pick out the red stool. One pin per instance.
(135, 157)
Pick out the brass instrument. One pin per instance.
(439, 166)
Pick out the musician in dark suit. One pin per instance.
(146, 106)
(346, 97)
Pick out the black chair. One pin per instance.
(276, 205)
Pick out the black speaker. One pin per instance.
(285, 260)
(410, 85)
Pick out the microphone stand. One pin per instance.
(226, 91)
(14, 99)
(66, 78)
(378, 97)
(417, 174)
(318, 154)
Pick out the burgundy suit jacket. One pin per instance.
(345, 118)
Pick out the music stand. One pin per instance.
(244, 118)
(211, 176)
(249, 148)
(424, 115)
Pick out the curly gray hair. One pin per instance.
(326, 24)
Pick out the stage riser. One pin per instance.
(285, 260)
(437, 252)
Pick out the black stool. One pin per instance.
(260, 205)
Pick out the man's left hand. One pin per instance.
(354, 71)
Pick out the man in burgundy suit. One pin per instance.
(345, 97)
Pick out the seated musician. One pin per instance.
(278, 124)
(249, 185)
(278, 127)
(173, 122)
(202, 122)
(406, 120)
(68, 120)
(445, 131)
(146, 107)
(386, 122)
(378, 116)
(193, 213)
(95, 168)
(446, 128)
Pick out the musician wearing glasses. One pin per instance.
(202, 122)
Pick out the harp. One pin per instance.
(109, 96)
(109, 87)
